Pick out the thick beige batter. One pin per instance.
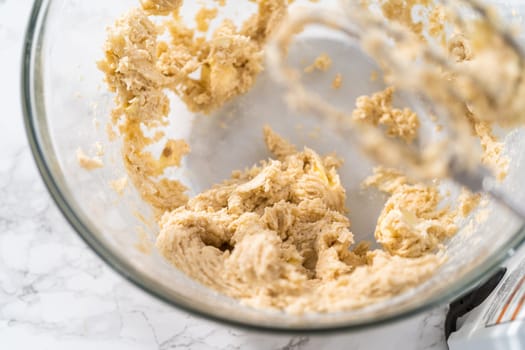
(276, 235)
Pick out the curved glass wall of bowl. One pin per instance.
(64, 93)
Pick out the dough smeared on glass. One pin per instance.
(139, 67)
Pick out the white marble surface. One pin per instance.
(56, 294)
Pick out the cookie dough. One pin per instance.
(119, 185)
(378, 110)
(139, 67)
(411, 224)
(88, 163)
(322, 63)
(204, 17)
(492, 149)
(160, 7)
(337, 82)
(277, 235)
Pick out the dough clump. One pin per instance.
(88, 163)
(322, 63)
(378, 110)
(277, 236)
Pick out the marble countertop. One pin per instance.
(55, 293)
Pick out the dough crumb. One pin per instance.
(277, 145)
(160, 7)
(436, 22)
(88, 163)
(321, 63)
(203, 18)
(338, 81)
(492, 149)
(119, 185)
(468, 201)
(378, 110)
(111, 134)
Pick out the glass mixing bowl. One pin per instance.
(64, 99)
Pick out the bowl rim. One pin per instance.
(31, 115)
